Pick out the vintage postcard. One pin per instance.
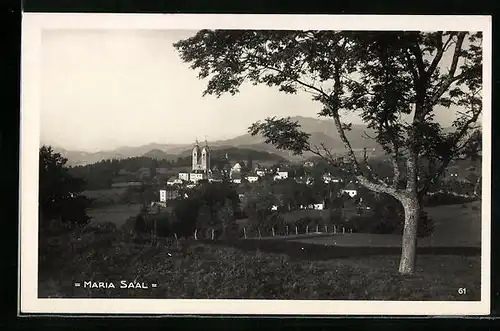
(255, 164)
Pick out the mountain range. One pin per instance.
(320, 130)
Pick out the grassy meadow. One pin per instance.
(315, 266)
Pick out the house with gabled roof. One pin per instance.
(174, 181)
(350, 189)
(236, 178)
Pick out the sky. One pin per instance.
(106, 89)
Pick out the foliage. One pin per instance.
(388, 217)
(60, 194)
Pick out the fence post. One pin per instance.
(244, 233)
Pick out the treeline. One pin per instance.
(100, 175)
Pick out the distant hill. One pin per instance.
(159, 155)
(321, 131)
(83, 158)
(239, 153)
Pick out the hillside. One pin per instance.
(83, 158)
(234, 154)
(159, 155)
(321, 131)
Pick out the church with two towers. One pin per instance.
(201, 158)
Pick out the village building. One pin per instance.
(350, 189)
(184, 176)
(252, 178)
(280, 174)
(328, 178)
(236, 178)
(168, 194)
(200, 164)
(236, 169)
(215, 177)
(260, 172)
(174, 181)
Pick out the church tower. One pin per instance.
(195, 156)
(205, 158)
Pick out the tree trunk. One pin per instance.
(409, 241)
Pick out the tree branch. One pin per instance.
(438, 56)
(450, 78)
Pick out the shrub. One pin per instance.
(388, 217)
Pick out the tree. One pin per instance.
(225, 215)
(393, 80)
(60, 194)
(257, 204)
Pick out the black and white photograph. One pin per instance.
(255, 164)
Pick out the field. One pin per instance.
(106, 196)
(116, 214)
(455, 226)
(313, 266)
(256, 269)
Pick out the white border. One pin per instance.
(32, 25)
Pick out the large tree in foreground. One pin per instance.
(395, 81)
